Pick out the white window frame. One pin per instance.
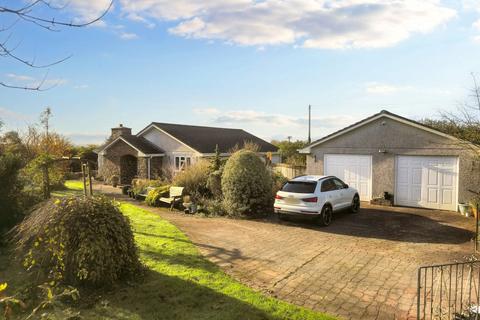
(184, 161)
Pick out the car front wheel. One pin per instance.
(355, 207)
(325, 217)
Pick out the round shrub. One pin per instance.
(246, 184)
(78, 241)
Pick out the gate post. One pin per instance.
(418, 292)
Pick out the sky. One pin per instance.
(250, 64)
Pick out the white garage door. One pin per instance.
(428, 182)
(354, 170)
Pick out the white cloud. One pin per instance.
(81, 138)
(6, 114)
(206, 111)
(85, 11)
(274, 126)
(473, 5)
(29, 81)
(476, 25)
(19, 77)
(138, 18)
(383, 88)
(128, 35)
(308, 23)
(81, 86)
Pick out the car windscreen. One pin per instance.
(300, 187)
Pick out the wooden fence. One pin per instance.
(289, 171)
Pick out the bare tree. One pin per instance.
(34, 12)
(464, 122)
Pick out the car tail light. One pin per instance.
(313, 199)
(278, 197)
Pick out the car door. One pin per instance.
(331, 193)
(344, 194)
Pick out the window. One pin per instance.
(328, 185)
(181, 162)
(339, 184)
(299, 187)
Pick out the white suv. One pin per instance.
(316, 196)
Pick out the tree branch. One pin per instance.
(25, 13)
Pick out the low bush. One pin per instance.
(141, 185)
(278, 180)
(212, 207)
(194, 179)
(246, 184)
(78, 241)
(214, 183)
(153, 197)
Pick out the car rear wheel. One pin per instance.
(325, 217)
(355, 207)
(282, 217)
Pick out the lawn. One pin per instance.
(180, 283)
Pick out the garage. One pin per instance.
(354, 170)
(427, 182)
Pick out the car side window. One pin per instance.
(328, 185)
(339, 184)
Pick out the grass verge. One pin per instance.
(179, 284)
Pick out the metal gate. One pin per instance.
(449, 291)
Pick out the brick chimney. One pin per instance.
(120, 130)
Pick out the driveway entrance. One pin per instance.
(363, 266)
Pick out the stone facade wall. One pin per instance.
(110, 163)
(142, 168)
(110, 160)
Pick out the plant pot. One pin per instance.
(193, 208)
(464, 209)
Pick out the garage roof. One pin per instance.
(381, 114)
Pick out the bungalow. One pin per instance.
(162, 149)
(414, 164)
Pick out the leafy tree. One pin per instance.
(289, 151)
(11, 142)
(10, 191)
(217, 160)
(465, 131)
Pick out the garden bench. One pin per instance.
(175, 194)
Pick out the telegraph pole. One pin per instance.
(309, 124)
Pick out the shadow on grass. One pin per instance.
(166, 297)
(219, 254)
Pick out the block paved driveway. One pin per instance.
(363, 266)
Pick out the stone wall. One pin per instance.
(110, 160)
